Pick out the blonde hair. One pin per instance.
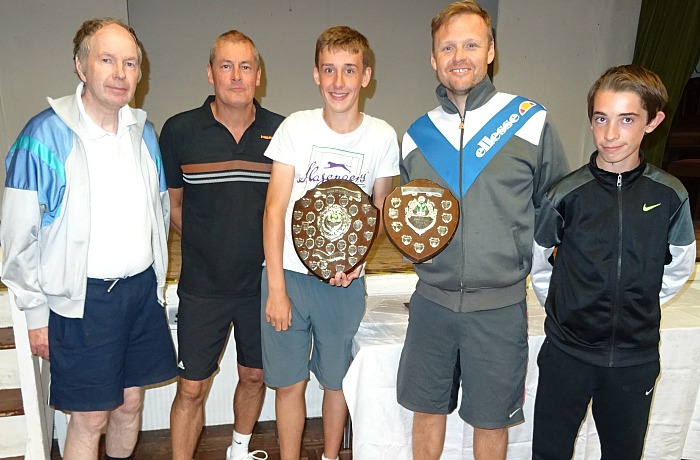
(456, 9)
(346, 39)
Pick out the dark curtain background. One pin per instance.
(668, 43)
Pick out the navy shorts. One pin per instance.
(122, 341)
(203, 324)
(487, 350)
(329, 314)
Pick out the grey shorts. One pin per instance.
(329, 314)
(487, 350)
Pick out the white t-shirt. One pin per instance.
(318, 154)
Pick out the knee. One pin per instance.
(133, 403)
(291, 391)
(424, 420)
(93, 422)
(250, 377)
(493, 436)
(191, 392)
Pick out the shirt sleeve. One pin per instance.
(389, 164)
(682, 247)
(548, 230)
(169, 142)
(552, 163)
(281, 146)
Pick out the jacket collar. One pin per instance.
(478, 96)
(92, 129)
(609, 179)
(67, 110)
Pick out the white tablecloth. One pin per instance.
(382, 428)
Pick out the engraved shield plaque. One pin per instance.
(333, 227)
(420, 219)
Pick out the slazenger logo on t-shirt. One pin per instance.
(487, 142)
(328, 163)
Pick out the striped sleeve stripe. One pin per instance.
(44, 153)
(226, 166)
(252, 175)
(216, 180)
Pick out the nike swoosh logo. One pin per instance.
(647, 393)
(180, 365)
(239, 443)
(513, 413)
(646, 208)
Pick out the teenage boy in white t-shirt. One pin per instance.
(335, 142)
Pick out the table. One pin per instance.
(382, 428)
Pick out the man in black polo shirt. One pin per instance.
(217, 177)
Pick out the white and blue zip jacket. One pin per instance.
(45, 224)
(486, 264)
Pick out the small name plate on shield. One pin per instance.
(333, 227)
(420, 219)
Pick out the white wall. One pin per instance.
(36, 51)
(549, 50)
(285, 34)
(553, 50)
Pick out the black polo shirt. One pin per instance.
(224, 187)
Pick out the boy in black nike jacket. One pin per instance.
(625, 244)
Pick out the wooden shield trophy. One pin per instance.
(420, 219)
(333, 227)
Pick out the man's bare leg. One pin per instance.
(187, 416)
(124, 424)
(490, 444)
(335, 413)
(428, 435)
(83, 435)
(248, 399)
(290, 407)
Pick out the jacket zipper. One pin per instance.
(461, 194)
(616, 303)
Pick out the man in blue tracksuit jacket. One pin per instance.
(498, 154)
(84, 236)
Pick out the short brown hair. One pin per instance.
(81, 41)
(346, 39)
(634, 79)
(233, 36)
(456, 9)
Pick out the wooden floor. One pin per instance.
(155, 445)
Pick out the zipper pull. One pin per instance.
(619, 180)
(461, 123)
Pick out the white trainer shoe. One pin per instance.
(255, 455)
